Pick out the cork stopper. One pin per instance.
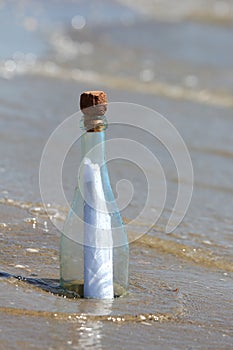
(93, 105)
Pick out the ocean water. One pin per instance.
(175, 61)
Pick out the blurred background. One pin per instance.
(175, 57)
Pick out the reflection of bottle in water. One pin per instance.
(94, 246)
(90, 332)
(90, 335)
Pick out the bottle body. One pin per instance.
(73, 248)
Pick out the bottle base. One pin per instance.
(78, 287)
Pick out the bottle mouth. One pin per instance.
(93, 123)
(93, 104)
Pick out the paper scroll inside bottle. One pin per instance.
(98, 243)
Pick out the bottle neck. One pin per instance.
(93, 141)
(93, 147)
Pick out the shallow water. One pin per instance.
(180, 294)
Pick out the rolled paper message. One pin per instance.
(98, 243)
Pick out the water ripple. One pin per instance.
(157, 88)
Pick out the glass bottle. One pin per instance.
(79, 228)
